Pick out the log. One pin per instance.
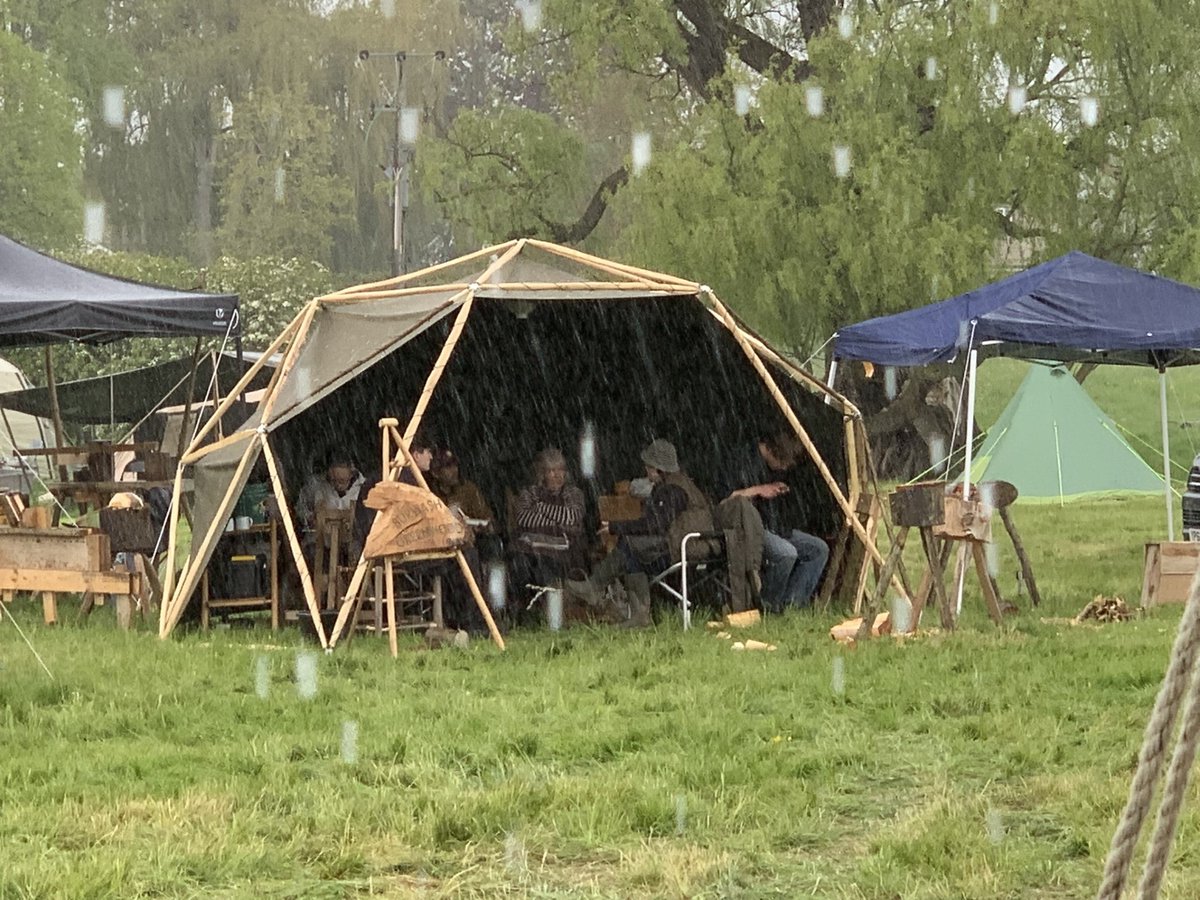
(919, 505)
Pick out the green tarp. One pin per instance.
(1054, 443)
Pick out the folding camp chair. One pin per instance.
(700, 571)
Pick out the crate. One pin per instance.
(1169, 570)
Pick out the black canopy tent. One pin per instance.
(45, 301)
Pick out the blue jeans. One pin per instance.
(792, 567)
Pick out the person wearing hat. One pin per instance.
(647, 545)
(461, 495)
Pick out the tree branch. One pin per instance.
(574, 232)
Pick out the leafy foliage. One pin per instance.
(40, 150)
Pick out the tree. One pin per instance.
(279, 186)
(40, 150)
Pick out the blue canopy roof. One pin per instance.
(1072, 308)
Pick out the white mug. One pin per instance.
(229, 525)
(243, 522)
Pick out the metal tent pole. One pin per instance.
(1166, 450)
(969, 425)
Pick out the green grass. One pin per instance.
(987, 763)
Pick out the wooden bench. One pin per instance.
(53, 561)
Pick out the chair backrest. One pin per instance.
(129, 530)
(327, 518)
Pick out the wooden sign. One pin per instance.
(411, 520)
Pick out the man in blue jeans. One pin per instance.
(793, 560)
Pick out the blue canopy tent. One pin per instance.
(1073, 308)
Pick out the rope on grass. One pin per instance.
(1154, 746)
(1174, 789)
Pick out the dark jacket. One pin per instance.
(675, 508)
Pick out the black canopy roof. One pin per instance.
(46, 301)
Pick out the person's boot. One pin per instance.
(591, 591)
(637, 589)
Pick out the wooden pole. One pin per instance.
(289, 527)
(800, 375)
(284, 335)
(172, 537)
(422, 273)
(195, 456)
(801, 433)
(289, 361)
(194, 567)
(599, 263)
(187, 404)
(55, 412)
(1035, 597)
(394, 293)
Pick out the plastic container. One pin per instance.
(250, 503)
(245, 576)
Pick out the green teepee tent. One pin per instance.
(1054, 443)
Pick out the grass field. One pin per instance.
(988, 763)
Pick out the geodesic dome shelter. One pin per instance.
(509, 350)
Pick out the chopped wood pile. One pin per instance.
(1104, 609)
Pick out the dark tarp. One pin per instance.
(46, 301)
(1072, 308)
(128, 396)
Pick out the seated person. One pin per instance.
(465, 500)
(338, 488)
(421, 450)
(645, 546)
(548, 540)
(793, 560)
(460, 494)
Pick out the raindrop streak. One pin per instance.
(841, 160)
(993, 13)
(889, 382)
(514, 853)
(306, 675)
(680, 814)
(846, 26)
(995, 825)
(554, 609)
(280, 184)
(991, 554)
(349, 742)
(531, 14)
(987, 495)
(587, 451)
(937, 453)
(410, 124)
(497, 585)
(971, 188)
(93, 222)
(1016, 98)
(741, 99)
(901, 616)
(641, 151)
(931, 68)
(388, 8)
(838, 682)
(1089, 111)
(262, 677)
(114, 107)
(814, 100)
